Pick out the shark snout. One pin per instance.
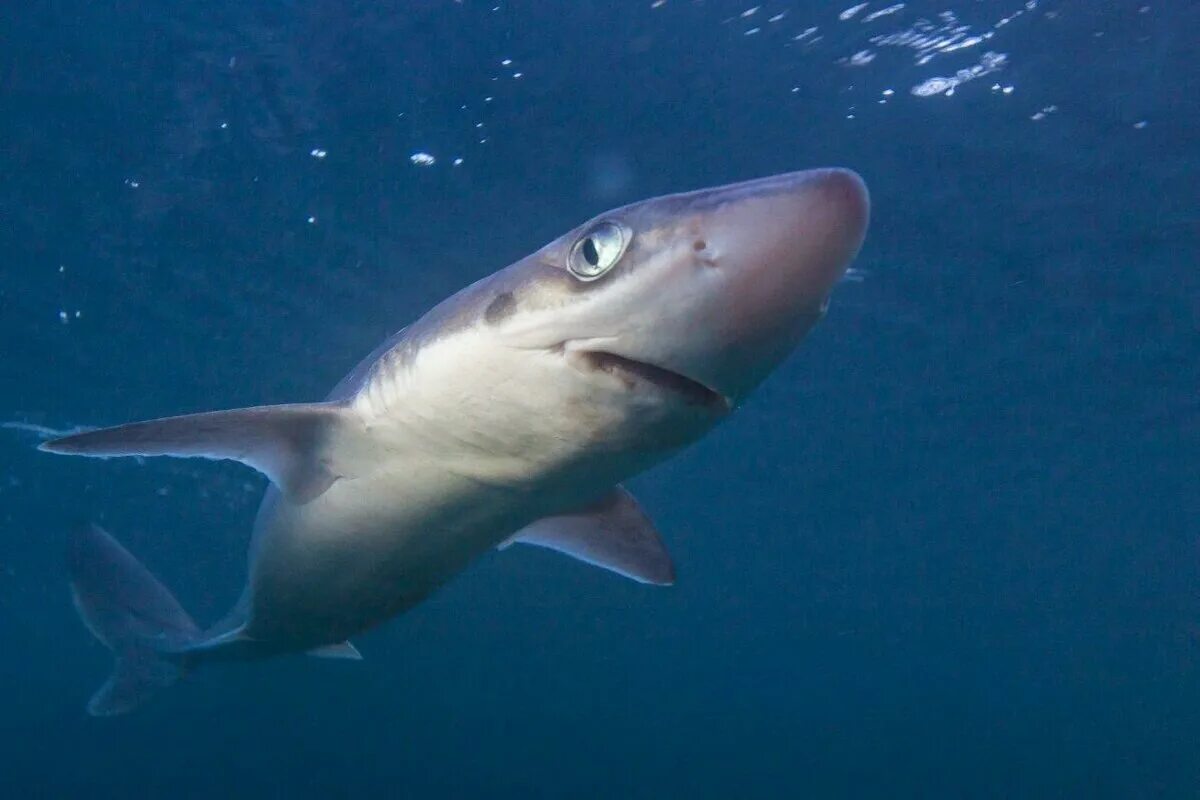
(786, 241)
(779, 245)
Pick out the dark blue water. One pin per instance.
(949, 550)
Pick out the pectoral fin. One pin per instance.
(613, 533)
(302, 448)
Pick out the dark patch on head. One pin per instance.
(500, 309)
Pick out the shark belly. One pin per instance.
(454, 470)
(367, 550)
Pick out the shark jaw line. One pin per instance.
(632, 372)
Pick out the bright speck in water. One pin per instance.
(851, 11)
(422, 159)
(1042, 114)
(989, 63)
(883, 12)
(934, 86)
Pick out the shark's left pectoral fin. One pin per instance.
(613, 533)
(302, 448)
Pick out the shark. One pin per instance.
(510, 413)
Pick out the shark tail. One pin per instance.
(133, 615)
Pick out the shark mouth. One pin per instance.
(627, 369)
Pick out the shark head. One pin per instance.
(702, 295)
(651, 322)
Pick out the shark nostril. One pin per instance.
(705, 256)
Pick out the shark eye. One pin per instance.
(597, 251)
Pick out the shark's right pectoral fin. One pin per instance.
(302, 448)
(612, 533)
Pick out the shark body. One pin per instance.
(510, 412)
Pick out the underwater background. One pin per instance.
(950, 549)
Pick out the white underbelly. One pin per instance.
(370, 548)
(469, 443)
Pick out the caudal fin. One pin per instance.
(134, 615)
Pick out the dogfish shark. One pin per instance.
(509, 413)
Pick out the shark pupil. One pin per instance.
(590, 253)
